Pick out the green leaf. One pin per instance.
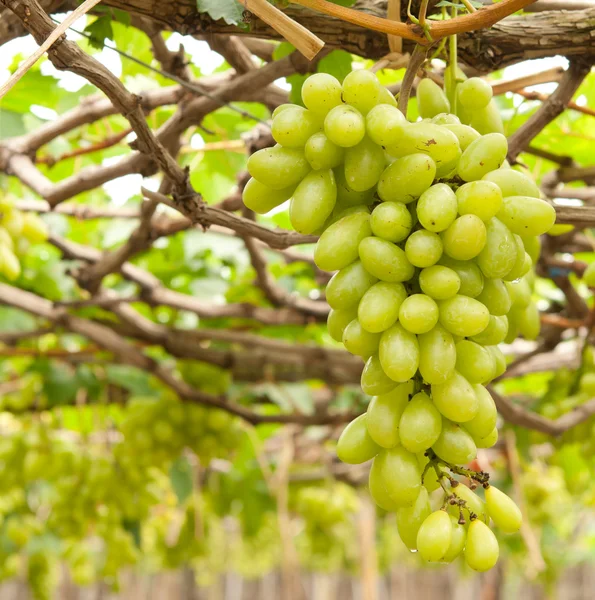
(180, 475)
(99, 30)
(231, 11)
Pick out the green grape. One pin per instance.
(513, 183)
(283, 107)
(457, 542)
(484, 422)
(338, 246)
(340, 212)
(503, 510)
(355, 446)
(455, 398)
(465, 238)
(431, 100)
(527, 216)
(9, 263)
(278, 167)
(474, 362)
(469, 273)
(321, 153)
(498, 256)
(410, 518)
(437, 207)
(313, 201)
(482, 156)
(480, 198)
(418, 313)
(391, 221)
(488, 121)
(446, 119)
(589, 275)
(530, 322)
(454, 445)
(463, 316)
(439, 282)
(481, 549)
(560, 229)
(261, 199)
(464, 133)
(399, 353)
(293, 127)
(384, 414)
(532, 247)
(494, 333)
(344, 126)
(474, 94)
(423, 248)
(347, 286)
(474, 506)
(379, 307)
(375, 381)
(499, 360)
(420, 424)
(361, 89)
(377, 489)
(360, 342)
(407, 178)
(436, 141)
(386, 97)
(520, 293)
(346, 197)
(488, 441)
(400, 473)
(495, 297)
(385, 260)
(437, 355)
(434, 536)
(384, 124)
(321, 92)
(34, 229)
(523, 262)
(364, 165)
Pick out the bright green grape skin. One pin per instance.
(439, 282)
(530, 324)
(481, 549)
(434, 536)
(465, 238)
(346, 287)
(360, 342)
(474, 362)
(338, 319)
(474, 94)
(437, 355)
(418, 313)
(457, 542)
(278, 167)
(355, 446)
(523, 262)
(494, 333)
(361, 89)
(283, 107)
(499, 253)
(455, 398)
(463, 316)
(420, 424)
(364, 165)
(386, 97)
(293, 127)
(499, 360)
(474, 505)
(399, 353)
(401, 474)
(513, 183)
(437, 208)
(503, 510)
(423, 248)
(527, 216)
(384, 415)
(487, 415)
(445, 119)
(377, 489)
(480, 198)
(495, 297)
(469, 273)
(375, 381)
(344, 126)
(347, 197)
(261, 199)
(407, 178)
(488, 441)
(321, 153)
(520, 293)
(454, 445)
(410, 518)
(431, 100)
(379, 307)
(321, 92)
(391, 221)
(384, 124)
(482, 156)
(384, 260)
(464, 133)
(338, 246)
(313, 201)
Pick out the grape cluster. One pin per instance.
(433, 238)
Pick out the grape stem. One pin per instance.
(469, 6)
(479, 476)
(417, 59)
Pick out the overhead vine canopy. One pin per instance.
(150, 318)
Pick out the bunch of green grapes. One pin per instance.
(17, 231)
(432, 237)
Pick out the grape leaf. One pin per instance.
(100, 30)
(230, 11)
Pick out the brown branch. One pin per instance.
(512, 85)
(585, 110)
